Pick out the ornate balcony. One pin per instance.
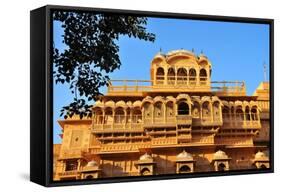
(184, 119)
(120, 123)
(207, 121)
(240, 120)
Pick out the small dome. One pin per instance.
(121, 104)
(180, 51)
(91, 163)
(261, 156)
(110, 104)
(137, 103)
(220, 155)
(99, 104)
(145, 157)
(184, 155)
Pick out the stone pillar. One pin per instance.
(212, 113)
(165, 112)
(165, 75)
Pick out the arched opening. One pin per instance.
(170, 111)
(254, 113)
(247, 113)
(128, 116)
(119, 116)
(184, 169)
(239, 114)
(137, 116)
(181, 76)
(160, 75)
(192, 76)
(145, 171)
(221, 167)
(98, 116)
(203, 76)
(108, 118)
(183, 108)
(225, 115)
(196, 110)
(89, 177)
(148, 109)
(253, 166)
(158, 112)
(206, 111)
(171, 76)
(263, 166)
(216, 111)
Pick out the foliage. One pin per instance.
(91, 54)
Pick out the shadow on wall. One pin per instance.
(202, 164)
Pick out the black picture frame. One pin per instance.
(41, 91)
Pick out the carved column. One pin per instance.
(212, 114)
(165, 113)
(165, 75)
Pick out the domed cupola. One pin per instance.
(91, 170)
(184, 156)
(261, 160)
(92, 163)
(220, 155)
(185, 162)
(146, 165)
(221, 161)
(145, 157)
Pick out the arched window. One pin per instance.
(263, 166)
(225, 115)
(145, 171)
(170, 109)
(182, 76)
(254, 113)
(203, 76)
(89, 177)
(137, 115)
(206, 111)
(221, 167)
(192, 76)
(183, 108)
(148, 109)
(98, 116)
(108, 118)
(158, 111)
(196, 110)
(216, 110)
(119, 116)
(160, 75)
(184, 169)
(239, 114)
(247, 113)
(171, 76)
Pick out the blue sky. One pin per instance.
(237, 51)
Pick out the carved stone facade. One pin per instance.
(177, 122)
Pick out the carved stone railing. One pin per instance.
(221, 88)
(163, 141)
(69, 173)
(184, 119)
(123, 147)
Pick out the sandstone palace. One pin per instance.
(178, 122)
